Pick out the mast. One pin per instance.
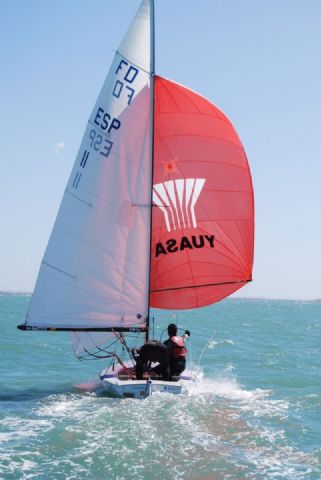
(152, 85)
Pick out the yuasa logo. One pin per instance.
(177, 200)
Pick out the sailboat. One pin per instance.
(158, 213)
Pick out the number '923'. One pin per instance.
(99, 143)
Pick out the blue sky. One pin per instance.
(259, 61)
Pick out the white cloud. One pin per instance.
(58, 148)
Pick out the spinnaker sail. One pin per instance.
(203, 228)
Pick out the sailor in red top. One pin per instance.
(177, 350)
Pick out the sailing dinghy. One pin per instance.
(158, 212)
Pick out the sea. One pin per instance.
(253, 412)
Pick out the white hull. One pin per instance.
(122, 386)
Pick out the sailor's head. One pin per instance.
(172, 330)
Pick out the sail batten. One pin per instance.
(185, 287)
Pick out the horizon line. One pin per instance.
(21, 292)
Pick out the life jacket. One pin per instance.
(178, 349)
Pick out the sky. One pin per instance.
(257, 60)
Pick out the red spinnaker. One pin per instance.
(203, 213)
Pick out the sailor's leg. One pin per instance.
(139, 369)
(166, 374)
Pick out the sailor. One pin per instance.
(152, 351)
(177, 350)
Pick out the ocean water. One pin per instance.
(254, 412)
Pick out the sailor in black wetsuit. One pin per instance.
(152, 351)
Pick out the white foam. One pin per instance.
(10, 466)
(212, 344)
(231, 342)
(257, 402)
(61, 406)
(27, 465)
(282, 462)
(220, 386)
(19, 428)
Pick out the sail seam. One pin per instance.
(201, 286)
(198, 113)
(93, 245)
(118, 52)
(198, 135)
(90, 205)
(59, 270)
(237, 269)
(208, 102)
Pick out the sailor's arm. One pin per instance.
(186, 335)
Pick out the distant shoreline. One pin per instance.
(2, 292)
(26, 294)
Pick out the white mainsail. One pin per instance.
(95, 271)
